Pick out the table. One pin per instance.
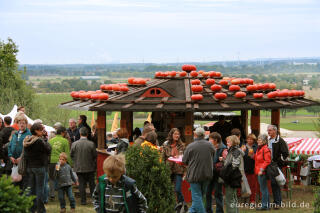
(177, 160)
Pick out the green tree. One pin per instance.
(152, 177)
(14, 89)
(11, 199)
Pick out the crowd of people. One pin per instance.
(218, 166)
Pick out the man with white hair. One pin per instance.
(73, 131)
(279, 153)
(198, 156)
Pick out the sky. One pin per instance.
(161, 31)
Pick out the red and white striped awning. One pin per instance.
(309, 146)
(292, 141)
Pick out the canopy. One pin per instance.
(308, 146)
(13, 113)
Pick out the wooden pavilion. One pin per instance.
(174, 97)
(169, 96)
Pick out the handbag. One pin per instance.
(22, 165)
(245, 188)
(281, 180)
(16, 177)
(272, 169)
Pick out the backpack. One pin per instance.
(102, 187)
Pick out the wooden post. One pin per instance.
(127, 122)
(275, 118)
(101, 129)
(188, 128)
(244, 122)
(255, 122)
(172, 116)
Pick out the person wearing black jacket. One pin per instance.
(5, 134)
(279, 153)
(221, 151)
(249, 164)
(82, 122)
(36, 152)
(73, 131)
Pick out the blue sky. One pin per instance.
(125, 31)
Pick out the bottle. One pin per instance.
(58, 166)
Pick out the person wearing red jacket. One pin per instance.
(262, 160)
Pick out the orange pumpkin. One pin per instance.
(194, 74)
(234, 88)
(210, 81)
(220, 95)
(216, 87)
(197, 97)
(240, 94)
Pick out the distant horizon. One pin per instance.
(196, 62)
(166, 31)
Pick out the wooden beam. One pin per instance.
(126, 122)
(244, 122)
(254, 103)
(163, 100)
(275, 118)
(101, 129)
(303, 101)
(187, 90)
(255, 122)
(224, 105)
(282, 102)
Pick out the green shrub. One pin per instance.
(153, 178)
(11, 199)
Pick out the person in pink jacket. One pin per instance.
(262, 160)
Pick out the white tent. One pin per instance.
(13, 113)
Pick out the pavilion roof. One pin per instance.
(174, 94)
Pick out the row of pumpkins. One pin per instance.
(274, 94)
(194, 74)
(100, 95)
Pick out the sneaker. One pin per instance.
(63, 211)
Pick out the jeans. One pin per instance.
(52, 181)
(177, 188)
(198, 192)
(217, 187)
(264, 191)
(276, 191)
(66, 190)
(46, 188)
(231, 200)
(85, 178)
(36, 178)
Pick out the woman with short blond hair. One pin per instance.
(234, 158)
